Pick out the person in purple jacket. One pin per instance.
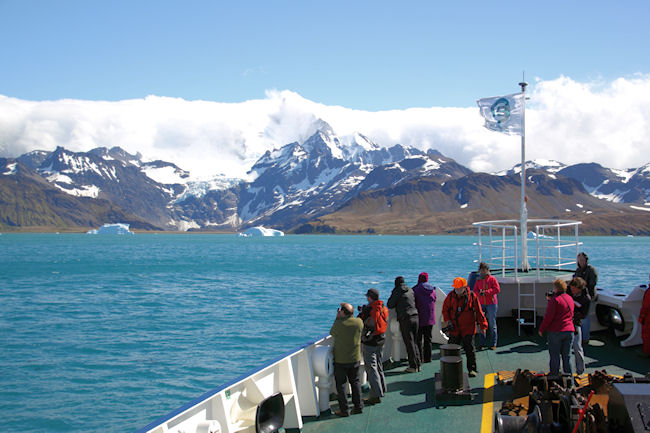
(558, 321)
(425, 302)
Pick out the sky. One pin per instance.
(211, 85)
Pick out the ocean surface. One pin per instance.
(108, 333)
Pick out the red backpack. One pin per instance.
(381, 321)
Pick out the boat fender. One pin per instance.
(322, 360)
(210, 426)
(610, 317)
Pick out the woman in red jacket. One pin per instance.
(487, 288)
(558, 321)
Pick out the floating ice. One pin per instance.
(112, 229)
(260, 231)
(533, 235)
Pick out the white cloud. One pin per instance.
(571, 122)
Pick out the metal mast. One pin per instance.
(523, 223)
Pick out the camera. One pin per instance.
(549, 294)
(364, 310)
(448, 328)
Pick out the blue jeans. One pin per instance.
(586, 327)
(559, 345)
(491, 334)
(578, 351)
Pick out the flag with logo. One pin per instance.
(503, 113)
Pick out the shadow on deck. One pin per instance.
(410, 403)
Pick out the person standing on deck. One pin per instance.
(402, 300)
(346, 331)
(581, 301)
(375, 322)
(487, 288)
(558, 321)
(425, 303)
(462, 311)
(644, 320)
(589, 274)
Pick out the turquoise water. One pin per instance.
(111, 332)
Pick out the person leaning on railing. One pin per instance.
(346, 331)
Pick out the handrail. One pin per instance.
(498, 244)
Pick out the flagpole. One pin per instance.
(523, 222)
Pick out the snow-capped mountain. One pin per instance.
(301, 181)
(113, 175)
(619, 186)
(547, 165)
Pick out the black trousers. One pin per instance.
(342, 374)
(424, 342)
(409, 328)
(467, 341)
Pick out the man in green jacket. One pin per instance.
(346, 331)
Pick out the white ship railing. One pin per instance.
(556, 245)
(304, 377)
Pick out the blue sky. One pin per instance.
(358, 54)
(213, 85)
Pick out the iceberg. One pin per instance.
(112, 229)
(533, 235)
(260, 231)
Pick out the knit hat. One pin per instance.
(373, 294)
(459, 282)
(423, 277)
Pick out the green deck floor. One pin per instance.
(410, 406)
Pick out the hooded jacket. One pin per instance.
(375, 321)
(425, 300)
(402, 300)
(465, 312)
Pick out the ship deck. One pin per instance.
(410, 404)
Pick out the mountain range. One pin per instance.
(326, 184)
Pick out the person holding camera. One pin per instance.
(375, 321)
(402, 300)
(581, 301)
(346, 331)
(487, 288)
(558, 321)
(461, 313)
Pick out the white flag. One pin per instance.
(503, 113)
